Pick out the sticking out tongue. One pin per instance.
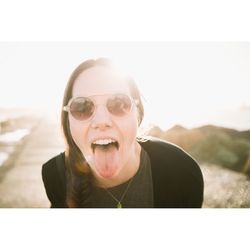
(106, 160)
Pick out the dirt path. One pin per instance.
(21, 185)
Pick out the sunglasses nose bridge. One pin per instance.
(101, 117)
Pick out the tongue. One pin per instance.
(106, 160)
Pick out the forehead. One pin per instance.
(99, 80)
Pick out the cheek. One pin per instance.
(130, 128)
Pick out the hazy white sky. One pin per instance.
(182, 82)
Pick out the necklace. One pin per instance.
(119, 202)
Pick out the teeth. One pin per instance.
(103, 142)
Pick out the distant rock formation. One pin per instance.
(211, 144)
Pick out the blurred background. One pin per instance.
(196, 95)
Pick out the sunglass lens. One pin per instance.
(119, 105)
(82, 108)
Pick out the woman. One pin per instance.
(104, 163)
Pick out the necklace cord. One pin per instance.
(123, 195)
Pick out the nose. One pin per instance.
(101, 119)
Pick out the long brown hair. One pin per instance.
(78, 171)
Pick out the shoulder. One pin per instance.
(167, 157)
(50, 169)
(177, 177)
(50, 165)
(54, 180)
(163, 149)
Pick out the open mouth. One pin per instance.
(104, 144)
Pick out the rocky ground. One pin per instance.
(225, 188)
(21, 184)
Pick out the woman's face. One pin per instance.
(119, 133)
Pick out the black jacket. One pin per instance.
(177, 178)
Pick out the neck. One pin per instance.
(127, 172)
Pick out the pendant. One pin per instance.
(119, 205)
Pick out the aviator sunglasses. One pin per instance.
(83, 108)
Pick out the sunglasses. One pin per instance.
(83, 108)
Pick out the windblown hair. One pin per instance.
(79, 177)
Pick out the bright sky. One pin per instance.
(181, 82)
